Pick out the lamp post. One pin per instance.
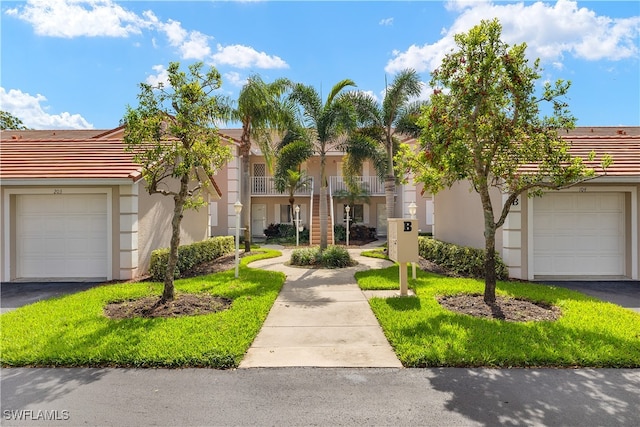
(412, 214)
(237, 206)
(297, 210)
(347, 209)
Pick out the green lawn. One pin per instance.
(590, 333)
(73, 331)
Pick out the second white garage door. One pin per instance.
(579, 234)
(61, 236)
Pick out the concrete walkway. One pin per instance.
(321, 318)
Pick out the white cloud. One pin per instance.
(386, 22)
(234, 79)
(241, 56)
(29, 109)
(73, 18)
(161, 76)
(550, 31)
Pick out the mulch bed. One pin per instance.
(507, 309)
(182, 305)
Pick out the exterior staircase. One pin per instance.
(315, 223)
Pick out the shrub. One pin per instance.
(357, 232)
(332, 257)
(285, 233)
(190, 255)
(306, 256)
(336, 257)
(459, 259)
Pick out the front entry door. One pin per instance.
(258, 219)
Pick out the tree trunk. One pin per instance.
(245, 196)
(389, 196)
(168, 294)
(490, 248)
(323, 203)
(390, 182)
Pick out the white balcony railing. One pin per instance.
(373, 184)
(265, 186)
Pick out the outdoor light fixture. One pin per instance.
(412, 210)
(347, 210)
(297, 210)
(237, 206)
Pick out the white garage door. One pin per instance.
(61, 236)
(579, 234)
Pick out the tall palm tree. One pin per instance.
(262, 108)
(325, 124)
(292, 151)
(379, 127)
(294, 180)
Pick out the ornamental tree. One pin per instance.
(173, 136)
(484, 123)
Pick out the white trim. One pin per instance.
(595, 189)
(48, 191)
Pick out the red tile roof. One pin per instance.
(622, 144)
(66, 159)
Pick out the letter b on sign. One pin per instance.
(407, 226)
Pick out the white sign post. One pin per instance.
(403, 246)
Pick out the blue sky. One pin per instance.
(73, 64)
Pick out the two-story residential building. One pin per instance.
(268, 206)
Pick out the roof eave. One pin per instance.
(49, 182)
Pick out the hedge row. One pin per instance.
(190, 255)
(462, 260)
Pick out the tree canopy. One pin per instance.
(485, 121)
(324, 124)
(263, 109)
(10, 122)
(173, 136)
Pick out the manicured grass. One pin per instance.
(590, 333)
(375, 253)
(73, 331)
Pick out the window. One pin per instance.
(355, 215)
(285, 214)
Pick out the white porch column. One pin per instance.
(128, 251)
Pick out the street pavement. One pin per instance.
(321, 397)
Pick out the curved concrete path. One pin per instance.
(321, 318)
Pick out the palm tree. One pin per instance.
(379, 127)
(295, 180)
(325, 124)
(262, 108)
(292, 151)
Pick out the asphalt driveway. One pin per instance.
(17, 294)
(623, 293)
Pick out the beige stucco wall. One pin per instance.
(155, 213)
(459, 218)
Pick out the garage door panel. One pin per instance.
(61, 236)
(577, 234)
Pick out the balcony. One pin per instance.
(371, 183)
(265, 186)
